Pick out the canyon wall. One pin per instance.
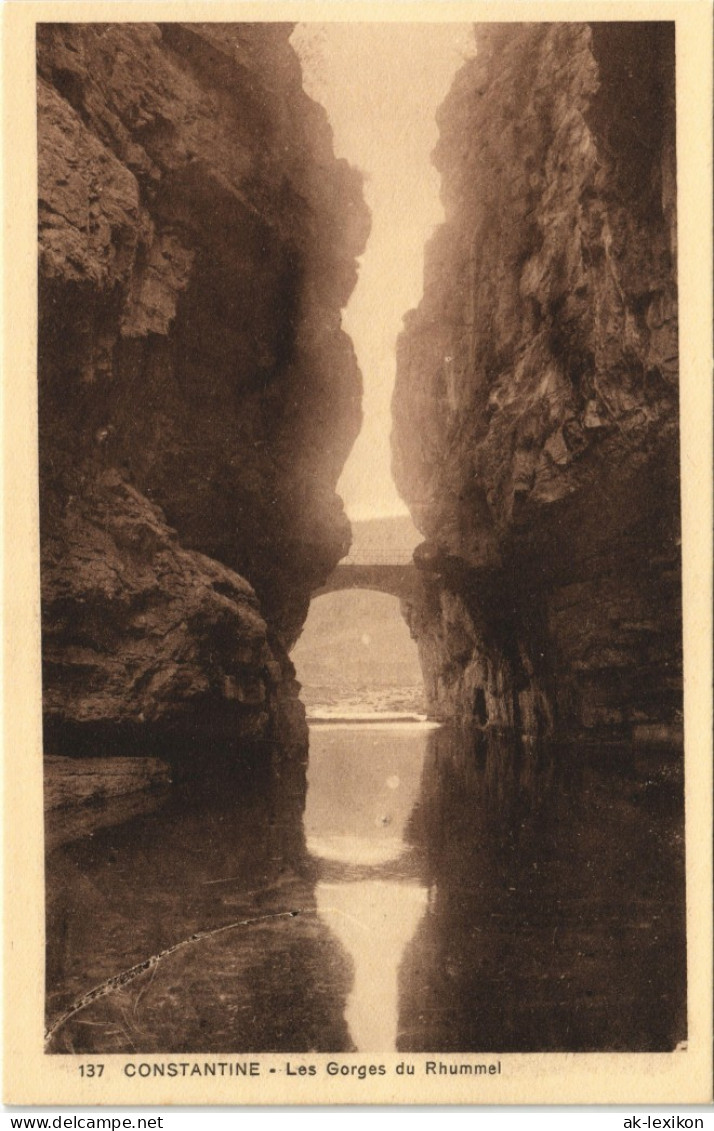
(197, 396)
(536, 405)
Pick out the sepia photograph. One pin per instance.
(359, 450)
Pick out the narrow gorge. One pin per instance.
(489, 863)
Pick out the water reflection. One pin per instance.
(361, 794)
(556, 921)
(224, 849)
(374, 920)
(455, 893)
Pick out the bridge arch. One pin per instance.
(356, 653)
(395, 580)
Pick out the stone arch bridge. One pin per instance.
(381, 577)
(380, 559)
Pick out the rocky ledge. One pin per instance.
(536, 405)
(197, 395)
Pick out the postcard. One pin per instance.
(358, 553)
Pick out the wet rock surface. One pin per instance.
(536, 404)
(197, 395)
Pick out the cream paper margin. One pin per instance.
(31, 1077)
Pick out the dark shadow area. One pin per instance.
(556, 913)
(225, 859)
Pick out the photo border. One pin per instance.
(32, 1077)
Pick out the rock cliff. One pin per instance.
(197, 396)
(536, 405)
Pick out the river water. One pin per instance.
(433, 891)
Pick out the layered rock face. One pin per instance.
(536, 405)
(198, 397)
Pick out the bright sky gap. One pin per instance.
(381, 85)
